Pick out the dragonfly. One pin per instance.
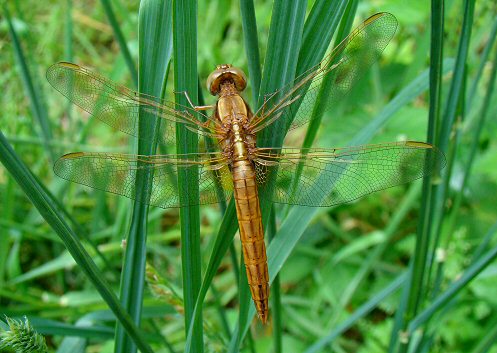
(238, 167)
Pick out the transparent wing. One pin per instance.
(116, 173)
(331, 79)
(119, 106)
(326, 177)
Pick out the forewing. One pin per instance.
(119, 106)
(116, 173)
(327, 177)
(331, 79)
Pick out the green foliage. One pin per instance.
(407, 269)
(21, 337)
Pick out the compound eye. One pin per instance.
(223, 73)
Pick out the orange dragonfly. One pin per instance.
(312, 177)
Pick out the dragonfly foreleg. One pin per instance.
(195, 107)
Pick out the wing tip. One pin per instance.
(72, 155)
(440, 160)
(419, 144)
(60, 164)
(383, 15)
(67, 64)
(59, 65)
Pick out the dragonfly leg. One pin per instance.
(195, 107)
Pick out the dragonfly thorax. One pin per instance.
(223, 73)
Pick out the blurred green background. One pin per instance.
(330, 273)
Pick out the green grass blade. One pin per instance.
(276, 295)
(285, 38)
(48, 210)
(155, 42)
(373, 259)
(471, 273)
(244, 298)
(313, 50)
(68, 31)
(427, 204)
(185, 80)
(474, 146)
(319, 28)
(442, 137)
(224, 239)
(484, 57)
(457, 80)
(68, 45)
(417, 267)
(7, 198)
(412, 90)
(489, 339)
(361, 312)
(249, 26)
(109, 12)
(483, 114)
(38, 108)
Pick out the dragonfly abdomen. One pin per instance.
(251, 234)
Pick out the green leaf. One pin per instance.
(185, 80)
(106, 4)
(50, 212)
(361, 312)
(155, 43)
(249, 26)
(38, 106)
(478, 265)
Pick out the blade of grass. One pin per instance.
(276, 296)
(8, 198)
(457, 80)
(249, 26)
(224, 239)
(155, 43)
(449, 225)
(345, 10)
(454, 302)
(443, 138)
(38, 108)
(319, 28)
(68, 29)
(405, 205)
(109, 12)
(484, 57)
(471, 273)
(48, 210)
(285, 38)
(427, 204)
(475, 142)
(68, 47)
(489, 339)
(411, 292)
(361, 312)
(185, 80)
(434, 196)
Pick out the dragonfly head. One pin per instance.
(223, 73)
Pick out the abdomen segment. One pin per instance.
(252, 234)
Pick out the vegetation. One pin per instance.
(407, 269)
